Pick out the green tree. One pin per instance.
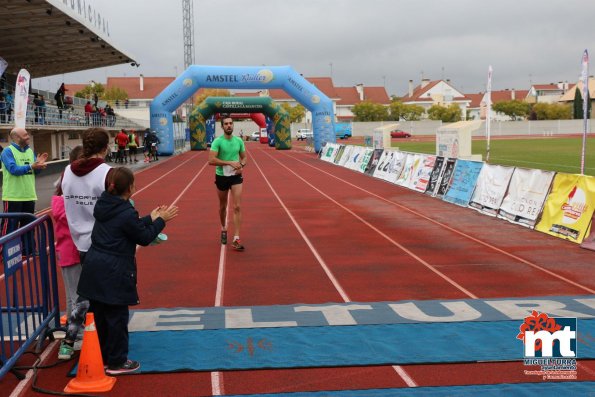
(552, 111)
(115, 94)
(400, 111)
(369, 111)
(448, 114)
(514, 109)
(577, 104)
(89, 91)
(296, 113)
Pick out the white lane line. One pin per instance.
(387, 237)
(484, 243)
(217, 387)
(398, 369)
(167, 173)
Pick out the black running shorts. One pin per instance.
(226, 182)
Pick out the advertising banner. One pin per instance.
(365, 159)
(527, 192)
(568, 210)
(463, 182)
(339, 155)
(490, 188)
(374, 161)
(435, 176)
(424, 171)
(383, 164)
(355, 157)
(330, 151)
(396, 167)
(407, 168)
(446, 178)
(21, 97)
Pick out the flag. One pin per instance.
(21, 97)
(585, 80)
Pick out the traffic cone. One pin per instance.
(90, 376)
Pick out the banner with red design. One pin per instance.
(568, 210)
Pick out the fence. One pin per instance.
(28, 288)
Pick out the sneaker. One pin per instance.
(126, 368)
(236, 245)
(223, 237)
(66, 351)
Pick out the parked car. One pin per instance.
(399, 134)
(303, 134)
(255, 136)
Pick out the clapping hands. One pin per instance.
(40, 164)
(164, 212)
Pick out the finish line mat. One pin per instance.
(554, 389)
(303, 347)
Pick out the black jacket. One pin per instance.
(109, 268)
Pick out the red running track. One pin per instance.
(317, 233)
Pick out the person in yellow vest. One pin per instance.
(132, 146)
(19, 166)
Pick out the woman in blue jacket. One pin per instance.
(108, 278)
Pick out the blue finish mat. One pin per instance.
(212, 350)
(546, 389)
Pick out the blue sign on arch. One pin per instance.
(241, 77)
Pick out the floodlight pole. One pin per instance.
(586, 96)
(188, 32)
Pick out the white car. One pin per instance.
(303, 134)
(255, 136)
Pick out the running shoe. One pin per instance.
(223, 237)
(236, 245)
(66, 351)
(127, 367)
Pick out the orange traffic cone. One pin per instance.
(90, 376)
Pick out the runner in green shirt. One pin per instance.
(228, 153)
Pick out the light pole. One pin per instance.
(331, 65)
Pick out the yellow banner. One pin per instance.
(569, 207)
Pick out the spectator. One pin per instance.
(42, 108)
(3, 109)
(59, 97)
(95, 115)
(36, 106)
(67, 255)
(95, 99)
(111, 115)
(9, 104)
(117, 104)
(86, 177)
(18, 177)
(132, 146)
(122, 142)
(88, 111)
(126, 103)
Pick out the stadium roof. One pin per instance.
(49, 37)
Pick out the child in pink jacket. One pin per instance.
(66, 252)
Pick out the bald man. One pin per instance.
(19, 166)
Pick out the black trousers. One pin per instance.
(111, 322)
(10, 225)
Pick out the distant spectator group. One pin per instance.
(6, 106)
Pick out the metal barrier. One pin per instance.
(28, 288)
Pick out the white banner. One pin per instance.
(490, 188)
(405, 175)
(365, 159)
(423, 173)
(21, 97)
(527, 192)
(3, 65)
(330, 151)
(383, 164)
(396, 167)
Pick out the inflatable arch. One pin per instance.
(265, 105)
(241, 77)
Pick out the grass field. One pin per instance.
(554, 154)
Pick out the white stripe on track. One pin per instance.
(398, 369)
(486, 244)
(217, 387)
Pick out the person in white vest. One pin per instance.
(82, 184)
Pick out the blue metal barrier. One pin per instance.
(28, 288)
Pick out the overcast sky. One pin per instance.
(374, 42)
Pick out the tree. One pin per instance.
(296, 113)
(198, 99)
(89, 91)
(514, 109)
(448, 114)
(577, 104)
(115, 94)
(552, 111)
(401, 111)
(369, 111)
